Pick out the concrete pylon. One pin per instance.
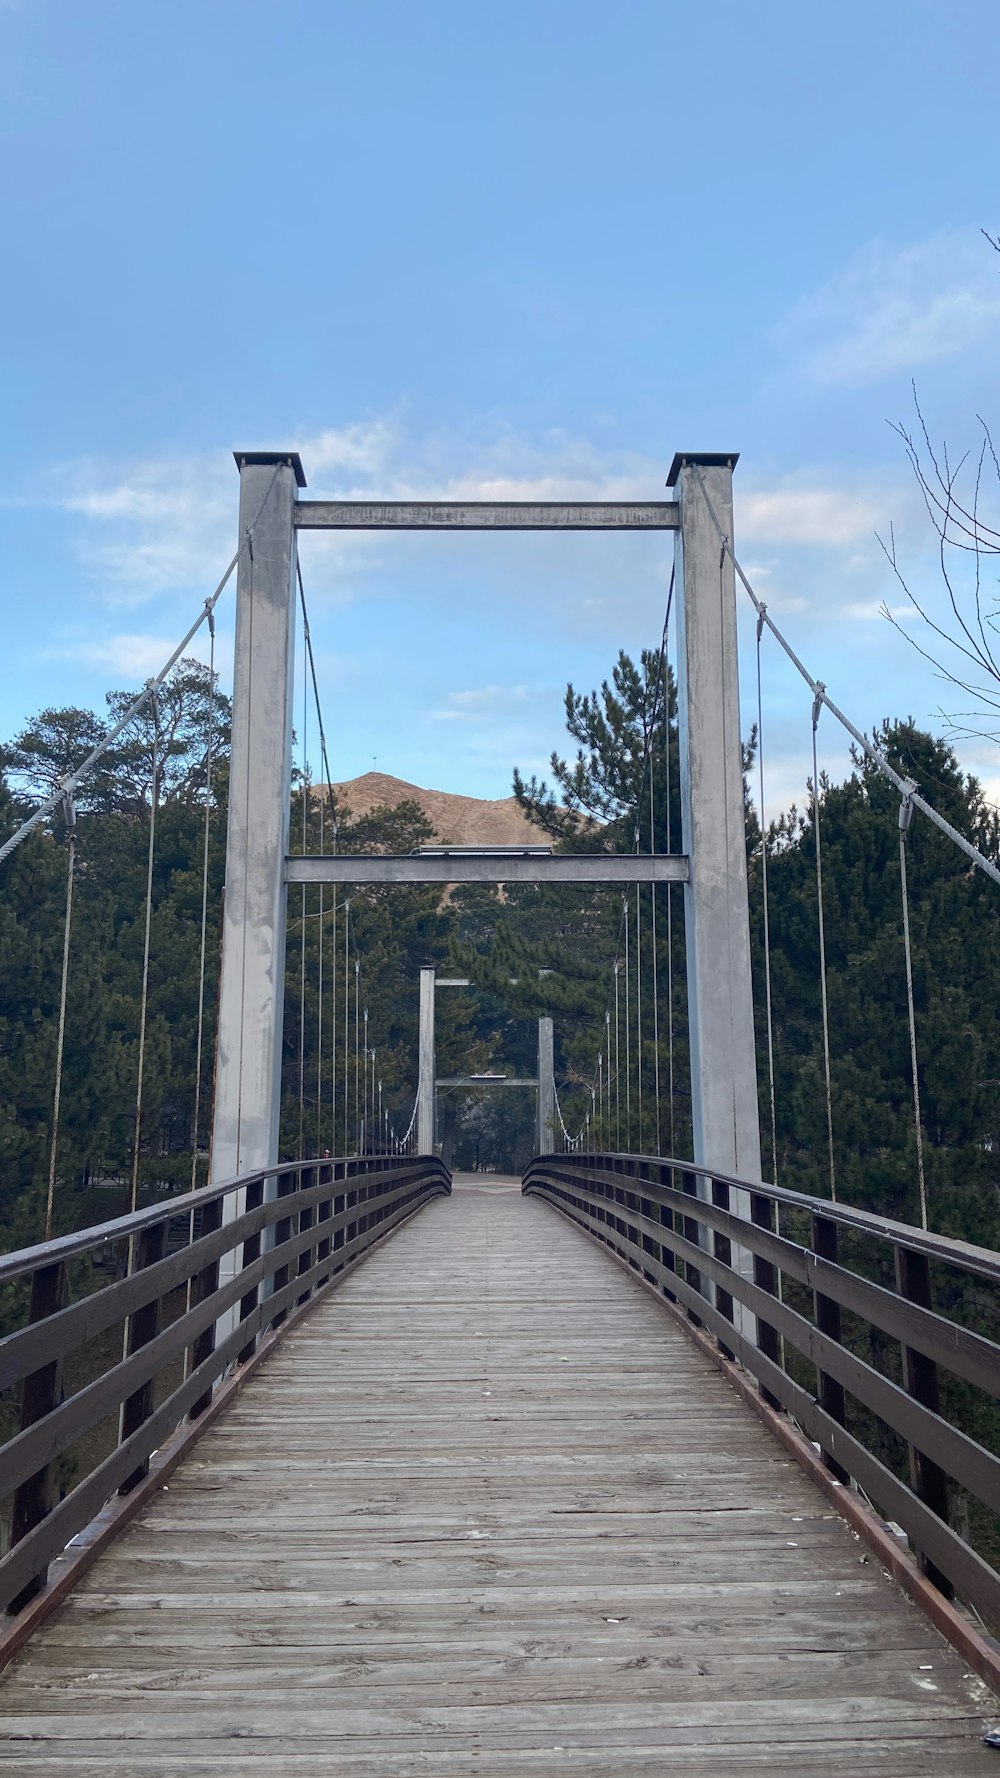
(426, 1065)
(545, 1127)
(724, 1108)
(252, 986)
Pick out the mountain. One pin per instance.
(456, 820)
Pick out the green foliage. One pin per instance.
(955, 929)
(528, 950)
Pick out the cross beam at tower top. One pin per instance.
(486, 515)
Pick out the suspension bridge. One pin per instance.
(345, 1463)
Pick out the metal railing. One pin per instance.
(286, 1234)
(679, 1230)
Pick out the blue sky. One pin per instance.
(493, 250)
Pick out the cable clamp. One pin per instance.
(210, 617)
(761, 617)
(818, 701)
(250, 541)
(906, 805)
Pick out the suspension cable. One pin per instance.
(69, 780)
(767, 926)
(817, 706)
(205, 854)
(638, 1012)
(333, 1026)
(302, 946)
(357, 1055)
(144, 995)
(364, 1101)
(618, 1102)
(905, 817)
(819, 692)
(628, 1033)
(364, 1111)
(70, 816)
(656, 991)
(347, 1016)
(670, 887)
(319, 1002)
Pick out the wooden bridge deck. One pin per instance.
(486, 1511)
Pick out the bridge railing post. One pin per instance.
(765, 1276)
(287, 1187)
(693, 1231)
(650, 1246)
(830, 1394)
(203, 1285)
(723, 1249)
(668, 1258)
(323, 1215)
(920, 1377)
(306, 1221)
(40, 1393)
(251, 1253)
(143, 1326)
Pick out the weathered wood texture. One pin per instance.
(486, 1511)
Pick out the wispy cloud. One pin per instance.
(801, 514)
(132, 655)
(893, 309)
(170, 522)
(484, 704)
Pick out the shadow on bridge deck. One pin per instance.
(486, 1510)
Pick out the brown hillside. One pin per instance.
(456, 820)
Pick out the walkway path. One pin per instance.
(486, 1511)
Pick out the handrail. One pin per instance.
(984, 1261)
(106, 1234)
(294, 1229)
(695, 1247)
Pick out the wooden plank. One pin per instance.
(485, 1509)
(952, 1556)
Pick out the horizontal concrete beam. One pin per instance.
(486, 515)
(562, 867)
(476, 1080)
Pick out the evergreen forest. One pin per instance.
(352, 969)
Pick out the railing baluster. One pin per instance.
(829, 1393)
(920, 1377)
(143, 1326)
(723, 1249)
(287, 1187)
(650, 1245)
(339, 1209)
(667, 1254)
(323, 1214)
(765, 1276)
(40, 1393)
(205, 1284)
(691, 1230)
(306, 1220)
(251, 1253)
